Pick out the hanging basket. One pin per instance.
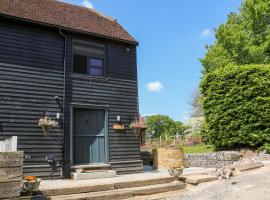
(46, 129)
(138, 126)
(46, 124)
(138, 130)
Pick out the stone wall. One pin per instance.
(10, 174)
(212, 160)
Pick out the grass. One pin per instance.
(200, 148)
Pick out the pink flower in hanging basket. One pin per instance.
(138, 124)
(46, 124)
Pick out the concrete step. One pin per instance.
(86, 188)
(125, 193)
(89, 168)
(95, 174)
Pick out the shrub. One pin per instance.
(236, 102)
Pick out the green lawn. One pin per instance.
(201, 148)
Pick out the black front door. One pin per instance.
(89, 136)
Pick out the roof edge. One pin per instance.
(92, 9)
(69, 29)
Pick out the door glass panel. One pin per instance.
(81, 152)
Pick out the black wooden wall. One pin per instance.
(31, 75)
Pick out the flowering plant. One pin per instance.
(46, 124)
(138, 126)
(138, 123)
(30, 178)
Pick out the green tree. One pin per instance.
(243, 39)
(162, 125)
(236, 102)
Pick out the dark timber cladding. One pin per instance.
(31, 75)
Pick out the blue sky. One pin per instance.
(172, 35)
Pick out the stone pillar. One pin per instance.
(168, 158)
(10, 174)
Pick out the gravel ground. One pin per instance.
(251, 185)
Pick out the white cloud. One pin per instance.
(87, 4)
(155, 86)
(206, 33)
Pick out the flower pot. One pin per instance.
(30, 186)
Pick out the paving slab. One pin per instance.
(266, 163)
(69, 186)
(124, 193)
(248, 166)
(197, 171)
(69, 183)
(196, 179)
(138, 183)
(76, 190)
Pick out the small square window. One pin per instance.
(88, 60)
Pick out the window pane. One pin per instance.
(93, 71)
(84, 48)
(96, 62)
(79, 64)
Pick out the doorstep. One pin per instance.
(93, 175)
(86, 172)
(86, 168)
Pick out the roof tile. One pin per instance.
(56, 13)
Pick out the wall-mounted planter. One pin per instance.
(119, 127)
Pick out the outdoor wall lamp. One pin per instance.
(128, 49)
(118, 118)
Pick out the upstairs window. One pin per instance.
(89, 58)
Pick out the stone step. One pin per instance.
(125, 193)
(89, 168)
(248, 166)
(87, 188)
(95, 174)
(196, 179)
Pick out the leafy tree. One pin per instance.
(162, 125)
(243, 39)
(236, 102)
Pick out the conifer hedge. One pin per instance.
(236, 102)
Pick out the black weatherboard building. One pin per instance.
(79, 67)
